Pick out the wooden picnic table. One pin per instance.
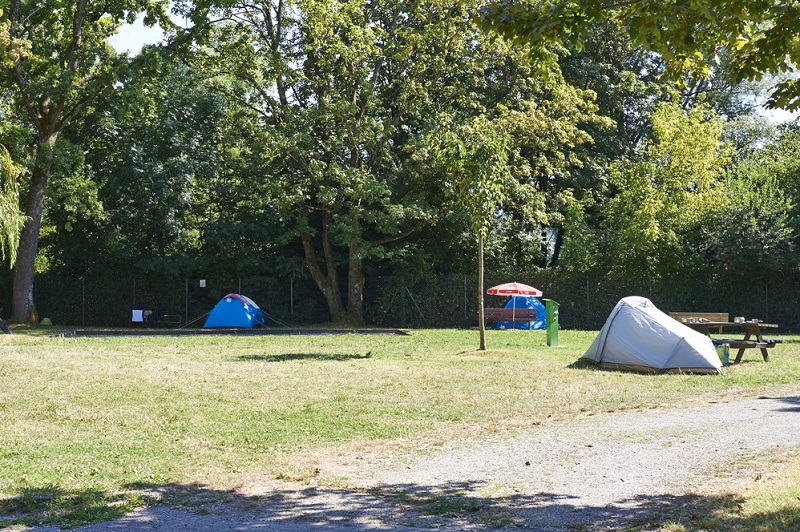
(753, 336)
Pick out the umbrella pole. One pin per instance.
(513, 312)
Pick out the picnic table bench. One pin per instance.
(684, 317)
(493, 315)
(753, 337)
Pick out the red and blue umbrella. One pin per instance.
(514, 289)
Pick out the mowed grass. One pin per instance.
(87, 422)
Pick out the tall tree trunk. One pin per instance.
(355, 275)
(481, 323)
(559, 243)
(328, 283)
(355, 286)
(24, 309)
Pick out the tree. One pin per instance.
(343, 92)
(757, 231)
(321, 78)
(549, 138)
(156, 146)
(59, 63)
(667, 191)
(475, 157)
(761, 36)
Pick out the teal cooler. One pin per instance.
(551, 322)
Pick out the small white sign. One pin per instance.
(202, 283)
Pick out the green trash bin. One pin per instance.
(551, 322)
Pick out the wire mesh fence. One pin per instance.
(448, 301)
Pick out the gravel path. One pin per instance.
(601, 472)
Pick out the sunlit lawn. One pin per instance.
(101, 415)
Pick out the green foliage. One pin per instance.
(760, 36)
(65, 60)
(758, 229)
(550, 140)
(672, 187)
(72, 195)
(57, 63)
(11, 219)
(476, 160)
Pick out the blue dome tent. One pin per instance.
(524, 302)
(235, 310)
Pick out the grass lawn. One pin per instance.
(85, 423)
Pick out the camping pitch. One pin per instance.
(235, 310)
(638, 336)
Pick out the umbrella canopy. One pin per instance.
(514, 289)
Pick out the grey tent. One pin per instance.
(638, 336)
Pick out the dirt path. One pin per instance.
(605, 471)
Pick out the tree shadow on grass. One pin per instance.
(286, 357)
(793, 402)
(398, 506)
(50, 505)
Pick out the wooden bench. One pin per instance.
(707, 316)
(768, 343)
(493, 315)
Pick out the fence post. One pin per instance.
(466, 316)
(186, 303)
(291, 297)
(83, 301)
(588, 302)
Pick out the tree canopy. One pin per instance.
(762, 37)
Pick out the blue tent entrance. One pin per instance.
(524, 302)
(235, 310)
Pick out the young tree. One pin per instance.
(475, 157)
